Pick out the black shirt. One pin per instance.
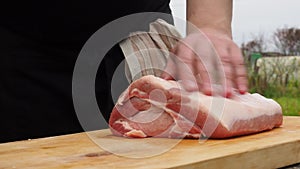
(39, 44)
(65, 22)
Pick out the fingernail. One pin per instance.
(243, 89)
(207, 89)
(228, 92)
(208, 93)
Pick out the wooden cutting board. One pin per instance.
(272, 149)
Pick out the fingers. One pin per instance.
(227, 77)
(200, 68)
(204, 77)
(241, 79)
(221, 71)
(194, 72)
(185, 65)
(234, 72)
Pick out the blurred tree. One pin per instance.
(287, 41)
(257, 45)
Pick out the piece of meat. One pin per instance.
(153, 107)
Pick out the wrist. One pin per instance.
(218, 30)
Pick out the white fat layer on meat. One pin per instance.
(125, 124)
(240, 107)
(132, 132)
(148, 115)
(135, 133)
(192, 135)
(167, 85)
(139, 91)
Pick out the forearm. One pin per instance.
(211, 15)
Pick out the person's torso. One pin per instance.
(70, 21)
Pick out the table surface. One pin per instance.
(99, 149)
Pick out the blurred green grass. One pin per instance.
(290, 105)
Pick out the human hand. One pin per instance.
(211, 58)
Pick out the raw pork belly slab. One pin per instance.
(153, 107)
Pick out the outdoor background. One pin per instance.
(268, 33)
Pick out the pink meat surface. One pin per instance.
(153, 107)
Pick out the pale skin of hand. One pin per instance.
(210, 54)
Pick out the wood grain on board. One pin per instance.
(99, 149)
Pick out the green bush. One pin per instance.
(277, 80)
